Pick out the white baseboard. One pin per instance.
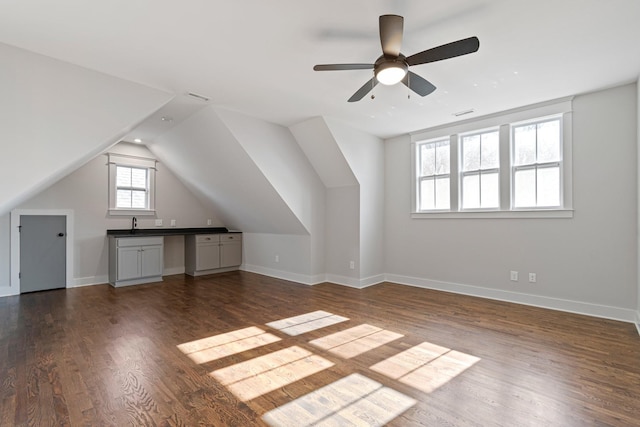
(79, 282)
(7, 291)
(638, 321)
(578, 307)
(285, 275)
(353, 282)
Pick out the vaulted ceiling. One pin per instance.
(256, 57)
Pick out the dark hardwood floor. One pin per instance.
(198, 351)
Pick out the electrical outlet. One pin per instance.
(173, 222)
(208, 222)
(277, 258)
(514, 276)
(158, 222)
(352, 265)
(532, 278)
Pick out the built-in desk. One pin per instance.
(136, 256)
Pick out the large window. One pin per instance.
(434, 164)
(131, 185)
(479, 170)
(537, 159)
(510, 165)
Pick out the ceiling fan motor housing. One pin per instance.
(390, 70)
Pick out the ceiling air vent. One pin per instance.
(200, 97)
(463, 113)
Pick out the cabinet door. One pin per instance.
(231, 255)
(151, 261)
(128, 263)
(207, 256)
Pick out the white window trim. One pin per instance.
(415, 182)
(479, 172)
(502, 120)
(114, 160)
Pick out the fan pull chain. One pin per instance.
(408, 86)
(373, 85)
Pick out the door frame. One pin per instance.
(15, 243)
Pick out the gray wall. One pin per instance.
(85, 191)
(587, 263)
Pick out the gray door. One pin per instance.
(43, 252)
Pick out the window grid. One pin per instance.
(519, 167)
(131, 188)
(433, 191)
(487, 166)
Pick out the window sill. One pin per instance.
(131, 212)
(519, 214)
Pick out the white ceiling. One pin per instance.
(256, 56)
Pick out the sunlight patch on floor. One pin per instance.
(354, 400)
(252, 378)
(426, 366)
(227, 344)
(355, 341)
(307, 322)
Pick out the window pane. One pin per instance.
(138, 199)
(123, 176)
(549, 186)
(471, 153)
(549, 141)
(490, 190)
(524, 145)
(442, 192)
(427, 194)
(525, 188)
(490, 149)
(139, 178)
(442, 158)
(471, 191)
(427, 159)
(123, 199)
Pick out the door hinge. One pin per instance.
(19, 229)
(19, 275)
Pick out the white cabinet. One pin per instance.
(212, 253)
(135, 260)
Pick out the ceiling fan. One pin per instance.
(393, 67)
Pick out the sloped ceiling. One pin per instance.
(256, 57)
(208, 158)
(55, 116)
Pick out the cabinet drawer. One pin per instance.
(124, 242)
(207, 238)
(230, 237)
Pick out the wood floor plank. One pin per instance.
(149, 355)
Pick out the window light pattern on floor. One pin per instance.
(426, 366)
(308, 322)
(355, 341)
(258, 376)
(354, 400)
(223, 345)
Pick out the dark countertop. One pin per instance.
(140, 232)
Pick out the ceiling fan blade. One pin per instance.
(446, 51)
(391, 27)
(337, 67)
(365, 89)
(418, 84)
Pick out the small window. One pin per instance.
(131, 185)
(480, 170)
(434, 176)
(537, 164)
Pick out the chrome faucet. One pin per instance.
(134, 224)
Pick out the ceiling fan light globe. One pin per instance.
(390, 73)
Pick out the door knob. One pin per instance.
(60, 234)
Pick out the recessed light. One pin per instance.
(137, 140)
(167, 119)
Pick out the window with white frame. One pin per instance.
(536, 164)
(515, 164)
(480, 170)
(131, 185)
(434, 164)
